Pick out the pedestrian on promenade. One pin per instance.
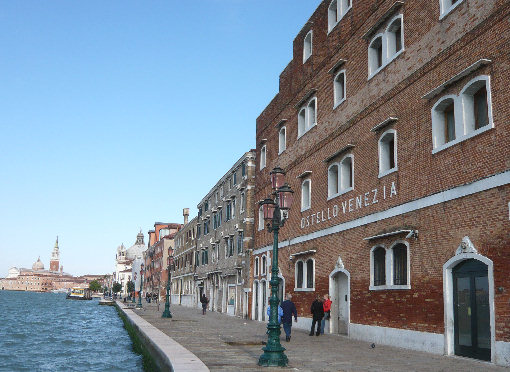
(204, 300)
(327, 312)
(280, 311)
(289, 309)
(317, 311)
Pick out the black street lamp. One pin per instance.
(167, 313)
(273, 351)
(139, 306)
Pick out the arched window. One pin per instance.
(333, 180)
(375, 55)
(394, 37)
(336, 10)
(443, 121)
(302, 122)
(299, 274)
(282, 140)
(307, 117)
(346, 176)
(339, 88)
(312, 113)
(446, 6)
(307, 46)
(263, 268)
(332, 15)
(399, 252)
(261, 218)
(310, 273)
(476, 104)
(388, 152)
(306, 194)
(263, 157)
(256, 267)
(379, 266)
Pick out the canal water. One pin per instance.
(46, 332)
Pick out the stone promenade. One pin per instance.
(226, 343)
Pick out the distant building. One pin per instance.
(38, 279)
(161, 240)
(225, 239)
(124, 261)
(183, 281)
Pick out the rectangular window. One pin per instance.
(243, 169)
(233, 209)
(243, 202)
(234, 178)
(206, 205)
(240, 238)
(229, 211)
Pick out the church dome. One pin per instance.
(136, 249)
(38, 265)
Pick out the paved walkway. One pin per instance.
(226, 343)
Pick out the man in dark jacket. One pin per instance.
(289, 309)
(317, 311)
(204, 300)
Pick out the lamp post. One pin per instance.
(139, 306)
(134, 292)
(273, 351)
(167, 313)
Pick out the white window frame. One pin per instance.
(308, 46)
(303, 206)
(282, 140)
(339, 181)
(463, 110)
(263, 155)
(242, 202)
(388, 267)
(305, 275)
(341, 8)
(260, 225)
(385, 45)
(389, 39)
(306, 119)
(263, 268)
(446, 6)
(336, 87)
(382, 152)
(256, 270)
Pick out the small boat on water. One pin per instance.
(79, 294)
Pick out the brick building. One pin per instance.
(225, 239)
(393, 124)
(161, 242)
(183, 273)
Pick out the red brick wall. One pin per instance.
(435, 51)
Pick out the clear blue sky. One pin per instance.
(117, 114)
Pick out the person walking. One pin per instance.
(317, 311)
(280, 312)
(327, 312)
(204, 300)
(289, 310)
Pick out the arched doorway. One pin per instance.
(472, 331)
(339, 282)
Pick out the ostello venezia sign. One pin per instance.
(350, 205)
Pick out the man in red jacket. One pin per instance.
(327, 311)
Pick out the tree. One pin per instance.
(94, 286)
(116, 287)
(130, 286)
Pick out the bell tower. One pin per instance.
(55, 260)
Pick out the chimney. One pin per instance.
(185, 213)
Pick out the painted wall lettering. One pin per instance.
(364, 200)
